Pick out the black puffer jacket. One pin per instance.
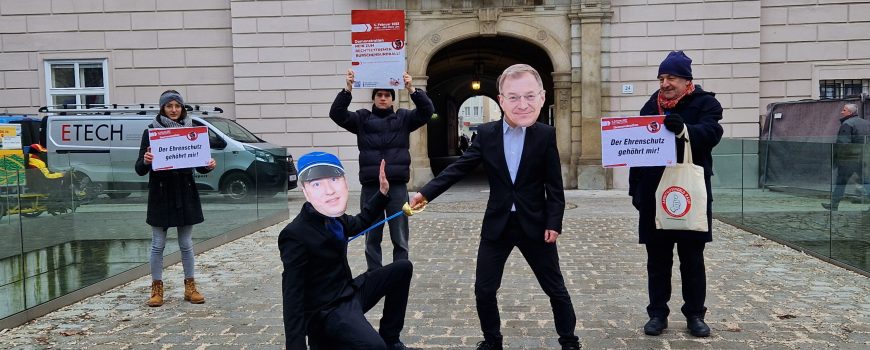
(382, 134)
(173, 199)
(701, 113)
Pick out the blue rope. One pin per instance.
(375, 225)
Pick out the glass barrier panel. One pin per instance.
(45, 208)
(794, 184)
(850, 223)
(272, 181)
(727, 180)
(12, 298)
(232, 207)
(77, 218)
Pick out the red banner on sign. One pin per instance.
(374, 26)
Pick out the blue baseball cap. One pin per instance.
(317, 165)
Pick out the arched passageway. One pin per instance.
(451, 71)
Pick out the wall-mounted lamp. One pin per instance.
(475, 77)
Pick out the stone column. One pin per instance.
(421, 170)
(590, 174)
(576, 105)
(562, 120)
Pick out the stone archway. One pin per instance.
(429, 35)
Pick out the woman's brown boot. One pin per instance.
(190, 292)
(156, 294)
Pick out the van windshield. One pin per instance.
(233, 130)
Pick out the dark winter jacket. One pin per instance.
(701, 113)
(173, 199)
(851, 136)
(383, 134)
(316, 273)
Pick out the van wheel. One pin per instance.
(118, 195)
(238, 187)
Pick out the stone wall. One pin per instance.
(721, 37)
(150, 46)
(290, 60)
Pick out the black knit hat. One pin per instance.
(677, 63)
(392, 93)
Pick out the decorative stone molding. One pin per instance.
(488, 18)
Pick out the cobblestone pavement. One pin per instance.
(761, 295)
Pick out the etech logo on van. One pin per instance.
(91, 132)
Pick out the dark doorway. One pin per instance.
(451, 72)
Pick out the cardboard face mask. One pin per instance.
(328, 195)
(323, 183)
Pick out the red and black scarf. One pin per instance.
(668, 104)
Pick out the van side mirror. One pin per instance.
(215, 142)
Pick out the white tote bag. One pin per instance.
(681, 196)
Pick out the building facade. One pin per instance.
(275, 66)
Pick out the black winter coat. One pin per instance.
(173, 199)
(701, 113)
(383, 135)
(316, 273)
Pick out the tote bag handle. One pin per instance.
(687, 151)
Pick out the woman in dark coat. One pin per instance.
(688, 107)
(173, 201)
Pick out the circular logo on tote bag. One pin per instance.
(676, 201)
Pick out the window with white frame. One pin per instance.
(76, 82)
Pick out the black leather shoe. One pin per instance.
(572, 346)
(697, 327)
(488, 345)
(830, 207)
(655, 325)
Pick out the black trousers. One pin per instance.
(398, 226)
(543, 258)
(660, 260)
(845, 169)
(345, 326)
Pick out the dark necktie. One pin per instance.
(336, 228)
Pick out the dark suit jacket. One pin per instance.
(537, 193)
(316, 272)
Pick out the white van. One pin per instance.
(100, 144)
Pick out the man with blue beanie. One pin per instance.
(687, 108)
(321, 299)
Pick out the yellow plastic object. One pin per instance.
(39, 164)
(408, 211)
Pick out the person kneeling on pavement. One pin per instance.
(321, 298)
